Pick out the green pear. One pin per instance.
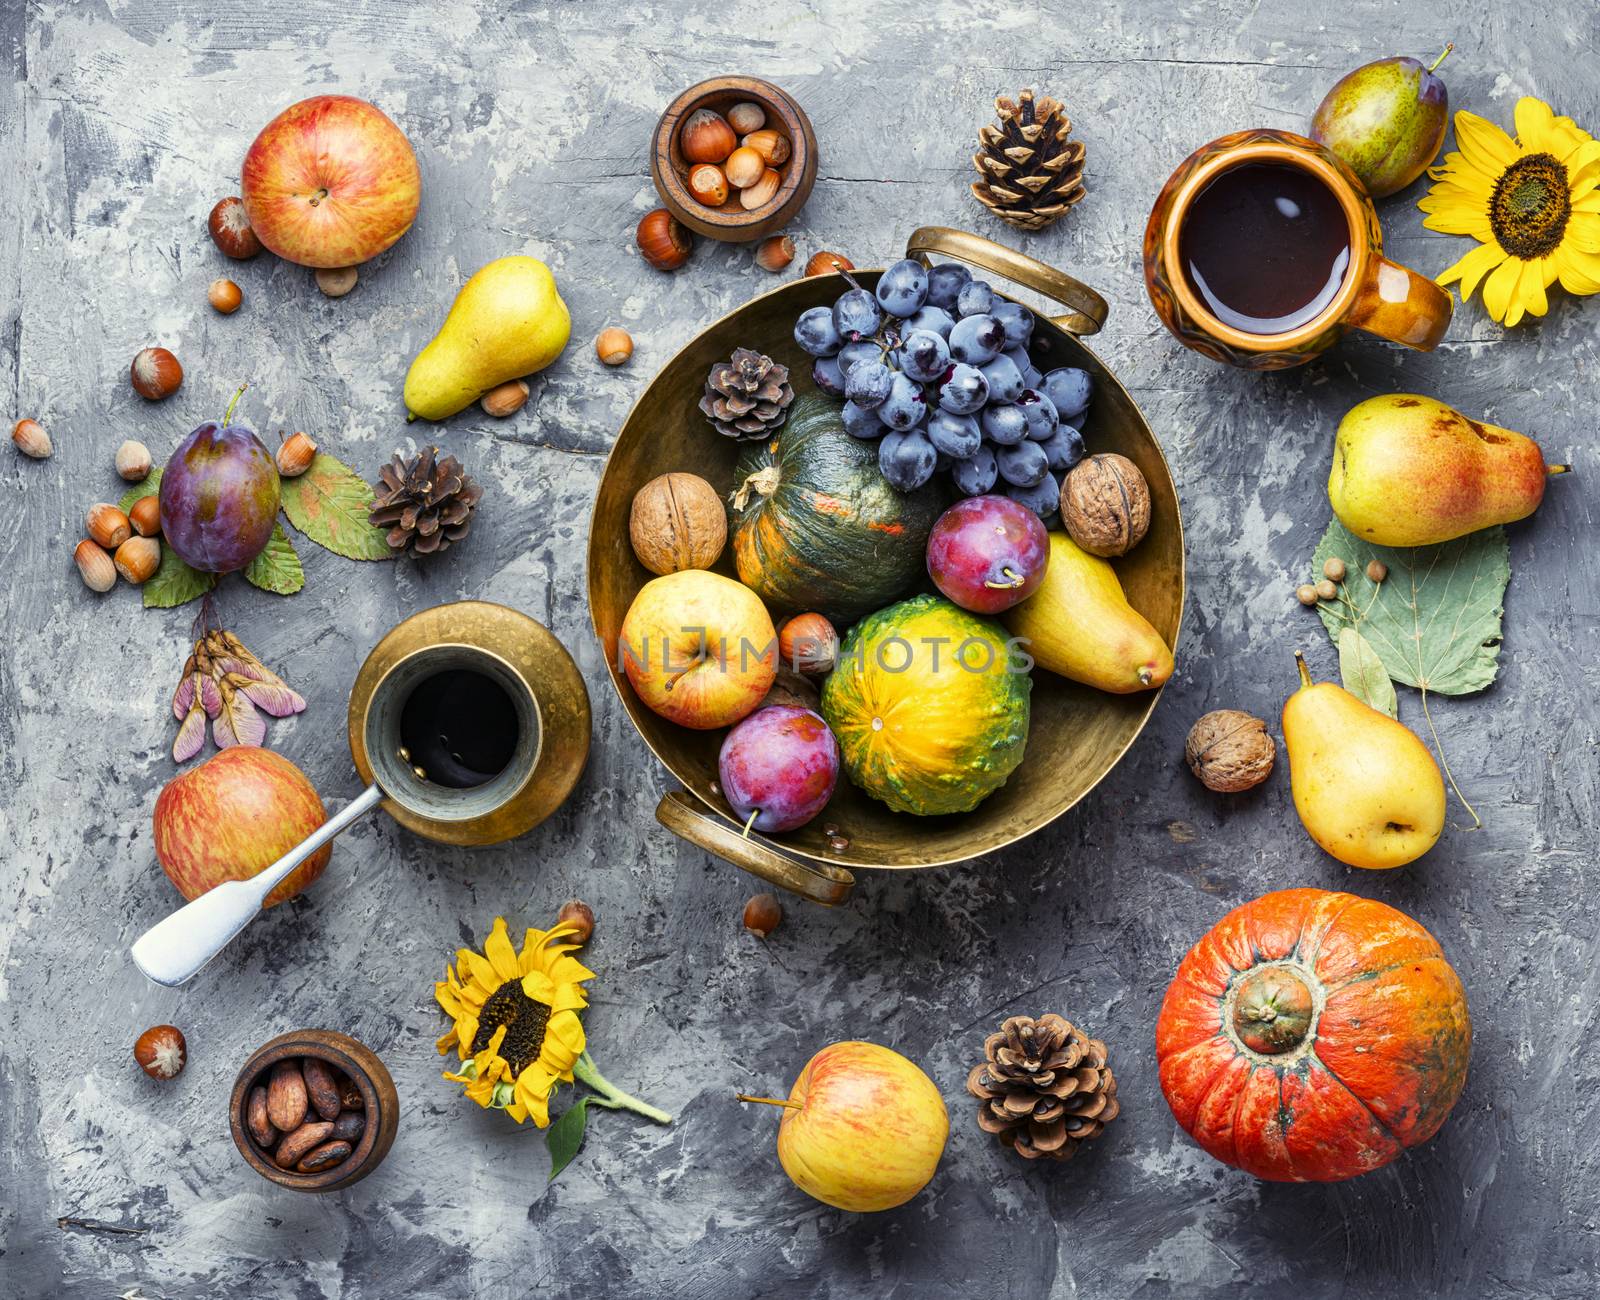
(1386, 120)
(1367, 790)
(508, 321)
(1410, 471)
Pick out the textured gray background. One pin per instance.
(121, 124)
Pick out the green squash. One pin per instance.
(816, 527)
(929, 709)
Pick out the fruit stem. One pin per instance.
(770, 1101)
(611, 1096)
(1553, 470)
(749, 822)
(1016, 580)
(1305, 673)
(228, 414)
(1449, 45)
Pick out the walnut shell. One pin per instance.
(1230, 750)
(677, 522)
(1105, 504)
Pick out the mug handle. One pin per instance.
(824, 884)
(1397, 304)
(1089, 309)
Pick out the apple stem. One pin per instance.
(1305, 673)
(770, 1101)
(1553, 470)
(228, 414)
(1449, 45)
(611, 1096)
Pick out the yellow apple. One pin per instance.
(863, 1128)
(699, 649)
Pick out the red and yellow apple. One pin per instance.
(863, 1128)
(330, 181)
(234, 815)
(699, 648)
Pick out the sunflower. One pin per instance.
(1533, 205)
(516, 1027)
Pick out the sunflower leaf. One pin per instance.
(1363, 673)
(565, 1136)
(329, 504)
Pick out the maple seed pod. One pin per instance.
(336, 281)
(145, 515)
(95, 566)
(295, 455)
(133, 461)
(137, 559)
(225, 296)
(1334, 570)
(108, 526)
(155, 374)
(775, 253)
(231, 231)
(580, 916)
(1377, 571)
(161, 1051)
(507, 399)
(1326, 590)
(1306, 594)
(826, 263)
(762, 914)
(31, 439)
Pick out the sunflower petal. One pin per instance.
(1500, 288)
(1484, 144)
(497, 948)
(1530, 288)
(1473, 267)
(539, 986)
(1583, 232)
(1579, 272)
(1535, 125)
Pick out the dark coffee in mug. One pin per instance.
(459, 727)
(1265, 246)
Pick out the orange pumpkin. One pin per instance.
(1313, 1036)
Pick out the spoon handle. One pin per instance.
(174, 951)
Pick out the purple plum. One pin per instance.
(219, 496)
(988, 553)
(778, 767)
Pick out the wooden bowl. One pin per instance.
(731, 222)
(1076, 735)
(362, 1067)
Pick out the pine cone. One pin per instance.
(425, 503)
(1045, 1087)
(1029, 172)
(747, 397)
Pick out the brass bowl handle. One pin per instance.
(824, 884)
(1089, 309)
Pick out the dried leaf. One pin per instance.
(329, 504)
(1363, 673)
(191, 736)
(276, 568)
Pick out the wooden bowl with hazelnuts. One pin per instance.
(734, 158)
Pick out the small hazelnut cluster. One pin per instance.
(122, 544)
(305, 1115)
(1334, 571)
(735, 151)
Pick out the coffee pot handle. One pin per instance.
(1088, 309)
(1396, 303)
(823, 884)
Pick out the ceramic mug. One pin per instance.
(1375, 295)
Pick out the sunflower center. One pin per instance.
(525, 1019)
(1531, 206)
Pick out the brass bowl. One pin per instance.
(1077, 734)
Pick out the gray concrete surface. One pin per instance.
(120, 124)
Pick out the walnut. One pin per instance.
(1105, 504)
(1230, 750)
(677, 522)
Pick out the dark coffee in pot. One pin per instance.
(459, 727)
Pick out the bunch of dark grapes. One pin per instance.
(935, 366)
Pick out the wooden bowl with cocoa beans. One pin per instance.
(314, 1111)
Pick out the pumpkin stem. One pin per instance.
(764, 480)
(1272, 1010)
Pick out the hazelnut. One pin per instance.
(706, 137)
(505, 400)
(773, 148)
(231, 231)
(1377, 571)
(31, 439)
(145, 515)
(336, 281)
(295, 454)
(580, 916)
(107, 525)
(708, 184)
(775, 253)
(1306, 594)
(613, 346)
(156, 374)
(744, 168)
(677, 522)
(1334, 570)
(663, 241)
(1229, 751)
(745, 118)
(95, 566)
(762, 915)
(1105, 504)
(762, 192)
(808, 644)
(133, 461)
(826, 263)
(225, 296)
(137, 559)
(1326, 590)
(161, 1051)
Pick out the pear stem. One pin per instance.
(1477, 821)
(770, 1101)
(1305, 673)
(1442, 57)
(228, 414)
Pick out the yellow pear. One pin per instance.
(1367, 790)
(508, 321)
(1079, 624)
(1411, 471)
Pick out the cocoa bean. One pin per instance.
(294, 1147)
(286, 1097)
(350, 1095)
(324, 1157)
(255, 1118)
(350, 1125)
(320, 1087)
